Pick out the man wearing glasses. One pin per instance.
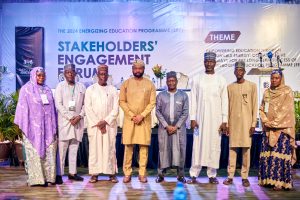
(69, 101)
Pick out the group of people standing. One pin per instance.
(213, 107)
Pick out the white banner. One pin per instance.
(174, 35)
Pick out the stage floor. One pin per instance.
(13, 186)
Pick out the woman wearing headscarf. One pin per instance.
(36, 117)
(278, 141)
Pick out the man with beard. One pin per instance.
(137, 99)
(69, 101)
(208, 114)
(102, 108)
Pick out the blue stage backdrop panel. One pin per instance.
(29, 52)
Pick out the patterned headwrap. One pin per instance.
(69, 67)
(210, 56)
(138, 62)
(239, 64)
(102, 68)
(277, 71)
(40, 69)
(171, 74)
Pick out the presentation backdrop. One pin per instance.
(29, 52)
(174, 35)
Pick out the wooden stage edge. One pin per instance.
(13, 186)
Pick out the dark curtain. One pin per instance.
(83, 152)
(153, 151)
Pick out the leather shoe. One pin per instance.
(213, 180)
(94, 179)
(143, 179)
(228, 181)
(58, 180)
(126, 179)
(113, 179)
(245, 182)
(181, 179)
(159, 179)
(192, 180)
(75, 177)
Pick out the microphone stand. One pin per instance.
(260, 58)
(279, 62)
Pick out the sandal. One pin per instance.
(245, 182)
(275, 188)
(228, 181)
(126, 179)
(213, 180)
(143, 179)
(93, 179)
(192, 180)
(113, 179)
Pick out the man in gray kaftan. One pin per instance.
(172, 109)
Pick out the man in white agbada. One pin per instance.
(208, 115)
(69, 101)
(102, 107)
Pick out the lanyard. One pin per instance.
(73, 92)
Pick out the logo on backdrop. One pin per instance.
(222, 36)
(28, 63)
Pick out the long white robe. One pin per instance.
(102, 103)
(209, 107)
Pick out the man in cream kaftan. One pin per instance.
(208, 112)
(101, 107)
(69, 101)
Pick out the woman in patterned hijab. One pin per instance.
(278, 141)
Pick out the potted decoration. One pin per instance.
(5, 144)
(10, 134)
(159, 74)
